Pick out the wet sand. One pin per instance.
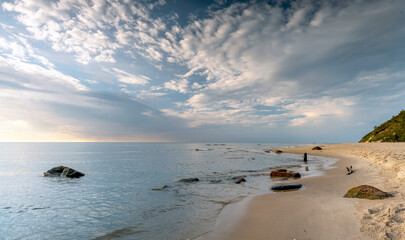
(319, 210)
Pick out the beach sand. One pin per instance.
(319, 210)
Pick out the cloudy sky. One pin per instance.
(199, 71)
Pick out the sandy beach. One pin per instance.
(319, 210)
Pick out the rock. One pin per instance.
(271, 150)
(317, 148)
(189, 180)
(284, 173)
(237, 177)
(286, 187)
(368, 192)
(240, 180)
(215, 181)
(160, 188)
(62, 171)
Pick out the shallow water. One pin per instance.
(115, 199)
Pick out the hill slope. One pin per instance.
(392, 130)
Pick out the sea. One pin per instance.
(132, 190)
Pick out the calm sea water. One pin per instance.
(115, 199)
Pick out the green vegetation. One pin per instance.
(392, 130)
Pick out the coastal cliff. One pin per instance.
(392, 130)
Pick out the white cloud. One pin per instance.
(19, 60)
(91, 30)
(260, 54)
(129, 78)
(313, 112)
(181, 85)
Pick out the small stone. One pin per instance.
(215, 181)
(160, 188)
(240, 180)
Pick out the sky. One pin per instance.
(199, 71)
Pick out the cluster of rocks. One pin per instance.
(284, 173)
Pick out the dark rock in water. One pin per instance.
(271, 150)
(286, 187)
(160, 188)
(237, 177)
(284, 173)
(240, 180)
(62, 171)
(189, 180)
(317, 148)
(368, 192)
(215, 181)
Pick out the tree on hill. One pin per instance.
(392, 130)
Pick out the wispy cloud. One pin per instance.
(92, 30)
(129, 78)
(260, 54)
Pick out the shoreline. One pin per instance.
(319, 210)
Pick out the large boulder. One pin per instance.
(285, 187)
(62, 171)
(368, 192)
(284, 173)
(317, 148)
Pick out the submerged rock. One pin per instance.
(317, 148)
(62, 171)
(284, 173)
(272, 150)
(215, 181)
(368, 192)
(189, 180)
(240, 180)
(160, 188)
(286, 187)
